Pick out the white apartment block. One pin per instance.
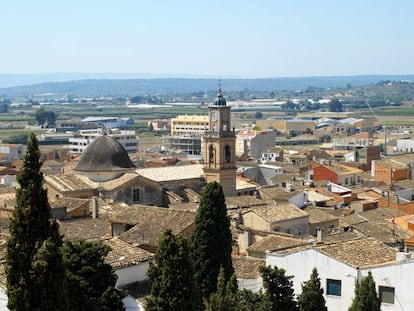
(128, 139)
(108, 122)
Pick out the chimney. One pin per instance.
(94, 207)
(247, 238)
(319, 234)
(402, 257)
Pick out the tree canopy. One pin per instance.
(172, 275)
(279, 288)
(335, 106)
(366, 298)
(90, 280)
(35, 274)
(211, 247)
(225, 298)
(44, 117)
(311, 298)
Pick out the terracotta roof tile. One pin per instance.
(123, 254)
(360, 253)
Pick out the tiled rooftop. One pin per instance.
(151, 222)
(317, 215)
(274, 213)
(360, 253)
(274, 242)
(247, 267)
(84, 228)
(170, 173)
(71, 204)
(123, 254)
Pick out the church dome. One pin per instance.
(104, 155)
(220, 100)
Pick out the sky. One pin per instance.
(243, 38)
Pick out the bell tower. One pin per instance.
(219, 147)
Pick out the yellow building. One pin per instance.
(287, 126)
(189, 125)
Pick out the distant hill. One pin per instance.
(90, 86)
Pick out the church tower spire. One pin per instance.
(219, 146)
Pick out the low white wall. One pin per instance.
(132, 274)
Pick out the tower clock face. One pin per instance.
(224, 114)
(214, 115)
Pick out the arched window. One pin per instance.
(227, 153)
(211, 153)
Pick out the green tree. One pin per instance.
(20, 138)
(43, 117)
(172, 275)
(35, 274)
(311, 298)
(258, 115)
(279, 288)
(90, 280)
(225, 298)
(4, 107)
(249, 301)
(335, 106)
(366, 298)
(212, 239)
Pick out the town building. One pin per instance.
(107, 122)
(337, 173)
(251, 142)
(341, 264)
(189, 125)
(79, 143)
(288, 126)
(12, 151)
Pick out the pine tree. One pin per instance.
(173, 286)
(33, 258)
(90, 280)
(212, 239)
(279, 288)
(366, 298)
(311, 298)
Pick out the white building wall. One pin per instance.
(299, 199)
(132, 274)
(255, 285)
(300, 265)
(405, 145)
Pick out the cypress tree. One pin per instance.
(249, 301)
(366, 298)
(279, 288)
(311, 298)
(212, 239)
(173, 286)
(33, 257)
(225, 299)
(90, 280)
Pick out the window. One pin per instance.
(227, 153)
(333, 287)
(211, 153)
(135, 195)
(386, 294)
